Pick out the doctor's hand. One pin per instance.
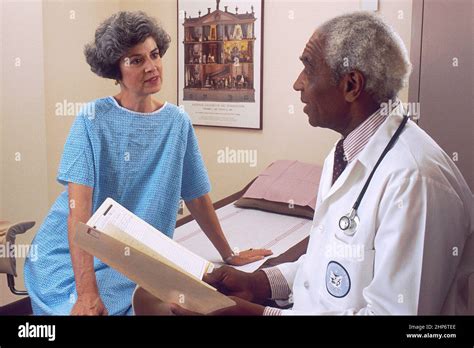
(89, 304)
(253, 287)
(241, 307)
(248, 256)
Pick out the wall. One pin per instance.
(23, 143)
(68, 26)
(1, 109)
(58, 31)
(287, 27)
(447, 81)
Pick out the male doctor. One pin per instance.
(412, 250)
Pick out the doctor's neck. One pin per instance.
(358, 112)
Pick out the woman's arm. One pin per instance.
(80, 210)
(202, 210)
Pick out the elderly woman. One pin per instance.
(138, 150)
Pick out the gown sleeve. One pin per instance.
(195, 181)
(77, 164)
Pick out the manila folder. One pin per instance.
(160, 279)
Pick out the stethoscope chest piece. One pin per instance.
(348, 223)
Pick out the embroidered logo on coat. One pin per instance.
(338, 282)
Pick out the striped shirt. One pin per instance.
(353, 144)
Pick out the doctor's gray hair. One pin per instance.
(116, 35)
(361, 41)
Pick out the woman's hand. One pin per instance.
(88, 299)
(202, 210)
(89, 304)
(248, 256)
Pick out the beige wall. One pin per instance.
(58, 31)
(68, 26)
(288, 25)
(24, 186)
(1, 110)
(284, 135)
(3, 289)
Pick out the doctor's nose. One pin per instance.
(298, 85)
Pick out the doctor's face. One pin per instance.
(325, 104)
(141, 69)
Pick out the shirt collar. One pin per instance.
(355, 142)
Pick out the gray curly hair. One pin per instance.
(361, 41)
(116, 35)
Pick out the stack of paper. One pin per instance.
(116, 221)
(148, 257)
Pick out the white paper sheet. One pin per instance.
(118, 216)
(244, 229)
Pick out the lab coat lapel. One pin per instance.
(344, 179)
(326, 177)
(367, 158)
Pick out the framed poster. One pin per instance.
(220, 60)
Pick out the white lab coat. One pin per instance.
(416, 220)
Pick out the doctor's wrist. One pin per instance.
(260, 287)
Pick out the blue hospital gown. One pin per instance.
(146, 162)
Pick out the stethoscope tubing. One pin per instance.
(385, 151)
(350, 223)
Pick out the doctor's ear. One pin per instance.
(353, 84)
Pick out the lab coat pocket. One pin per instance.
(349, 269)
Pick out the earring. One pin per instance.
(116, 82)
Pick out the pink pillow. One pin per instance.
(285, 187)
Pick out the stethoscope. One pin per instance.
(348, 223)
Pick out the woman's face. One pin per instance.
(141, 68)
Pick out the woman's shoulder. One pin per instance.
(95, 108)
(175, 109)
(177, 112)
(107, 105)
(104, 109)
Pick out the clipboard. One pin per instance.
(158, 278)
